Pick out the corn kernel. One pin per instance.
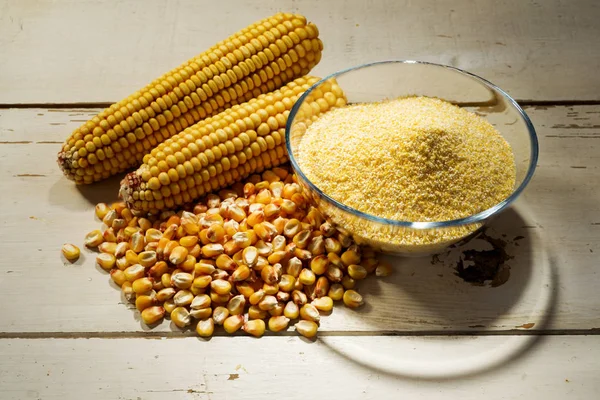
(236, 305)
(183, 298)
(221, 286)
(147, 258)
(144, 301)
(299, 297)
(142, 285)
(118, 277)
(234, 322)
(206, 327)
(271, 289)
(291, 310)
(334, 274)
(93, 239)
(306, 277)
(309, 312)
(169, 306)
(152, 315)
(286, 284)
(348, 282)
(254, 312)
(201, 313)
(71, 252)
(181, 317)
(165, 294)
(323, 303)
(220, 313)
(182, 280)
(306, 328)
(268, 303)
(357, 272)
(127, 291)
(279, 323)
(255, 327)
(101, 210)
(106, 261)
(257, 297)
(212, 250)
(336, 292)
(352, 299)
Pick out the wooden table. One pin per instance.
(65, 332)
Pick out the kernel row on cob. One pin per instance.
(256, 60)
(220, 150)
(253, 253)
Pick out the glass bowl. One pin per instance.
(392, 79)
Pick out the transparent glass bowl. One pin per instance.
(393, 79)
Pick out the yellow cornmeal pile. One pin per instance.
(409, 159)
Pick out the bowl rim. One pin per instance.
(475, 218)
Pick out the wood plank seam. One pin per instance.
(189, 333)
(522, 103)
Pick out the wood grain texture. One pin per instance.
(552, 233)
(556, 368)
(84, 51)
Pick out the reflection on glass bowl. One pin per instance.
(392, 79)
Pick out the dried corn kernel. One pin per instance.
(352, 299)
(206, 327)
(255, 327)
(71, 252)
(306, 328)
(152, 315)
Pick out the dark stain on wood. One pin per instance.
(444, 36)
(17, 142)
(573, 136)
(486, 265)
(29, 176)
(578, 167)
(526, 326)
(233, 377)
(48, 142)
(574, 126)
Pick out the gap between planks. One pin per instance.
(190, 333)
(522, 103)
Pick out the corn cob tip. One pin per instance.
(63, 163)
(130, 183)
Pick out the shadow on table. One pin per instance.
(66, 194)
(430, 297)
(451, 292)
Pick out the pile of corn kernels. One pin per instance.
(253, 253)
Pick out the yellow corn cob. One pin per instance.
(223, 149)
(256, 60)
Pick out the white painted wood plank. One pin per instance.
(86, 51)
(558, 216)
(555, 368)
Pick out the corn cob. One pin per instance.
(223, 149)
(256, 60)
